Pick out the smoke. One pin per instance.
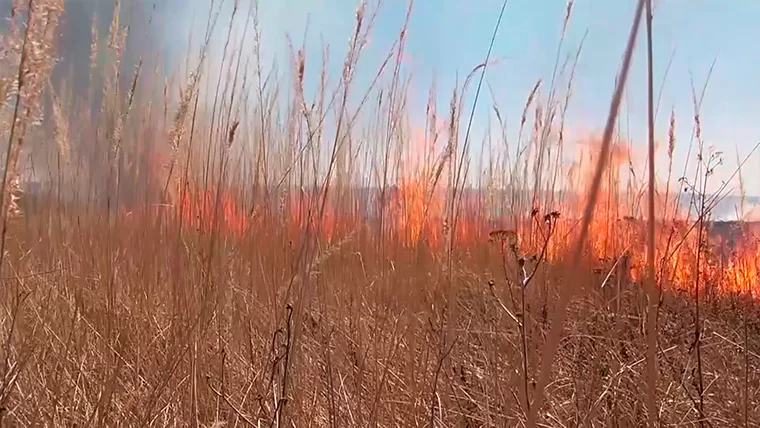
(165, 38)
(147, 22)
(146, 26)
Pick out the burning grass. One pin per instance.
(239, 263)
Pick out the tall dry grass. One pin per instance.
(203, 251)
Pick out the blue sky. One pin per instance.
(447, 38)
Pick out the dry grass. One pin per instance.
(211, 260)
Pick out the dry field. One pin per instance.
(224, 248)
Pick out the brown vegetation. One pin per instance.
(225, 251)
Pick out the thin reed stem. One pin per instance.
(651, 256)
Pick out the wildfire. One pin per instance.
(418, 212)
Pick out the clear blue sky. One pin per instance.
(447, 38)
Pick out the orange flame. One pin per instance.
(420, 213)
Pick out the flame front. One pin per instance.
(419, 213)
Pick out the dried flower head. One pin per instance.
(15, 192)
(231, 134)
(501, 235)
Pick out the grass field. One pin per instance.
(226, 248)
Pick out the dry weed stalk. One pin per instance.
(651, 330)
